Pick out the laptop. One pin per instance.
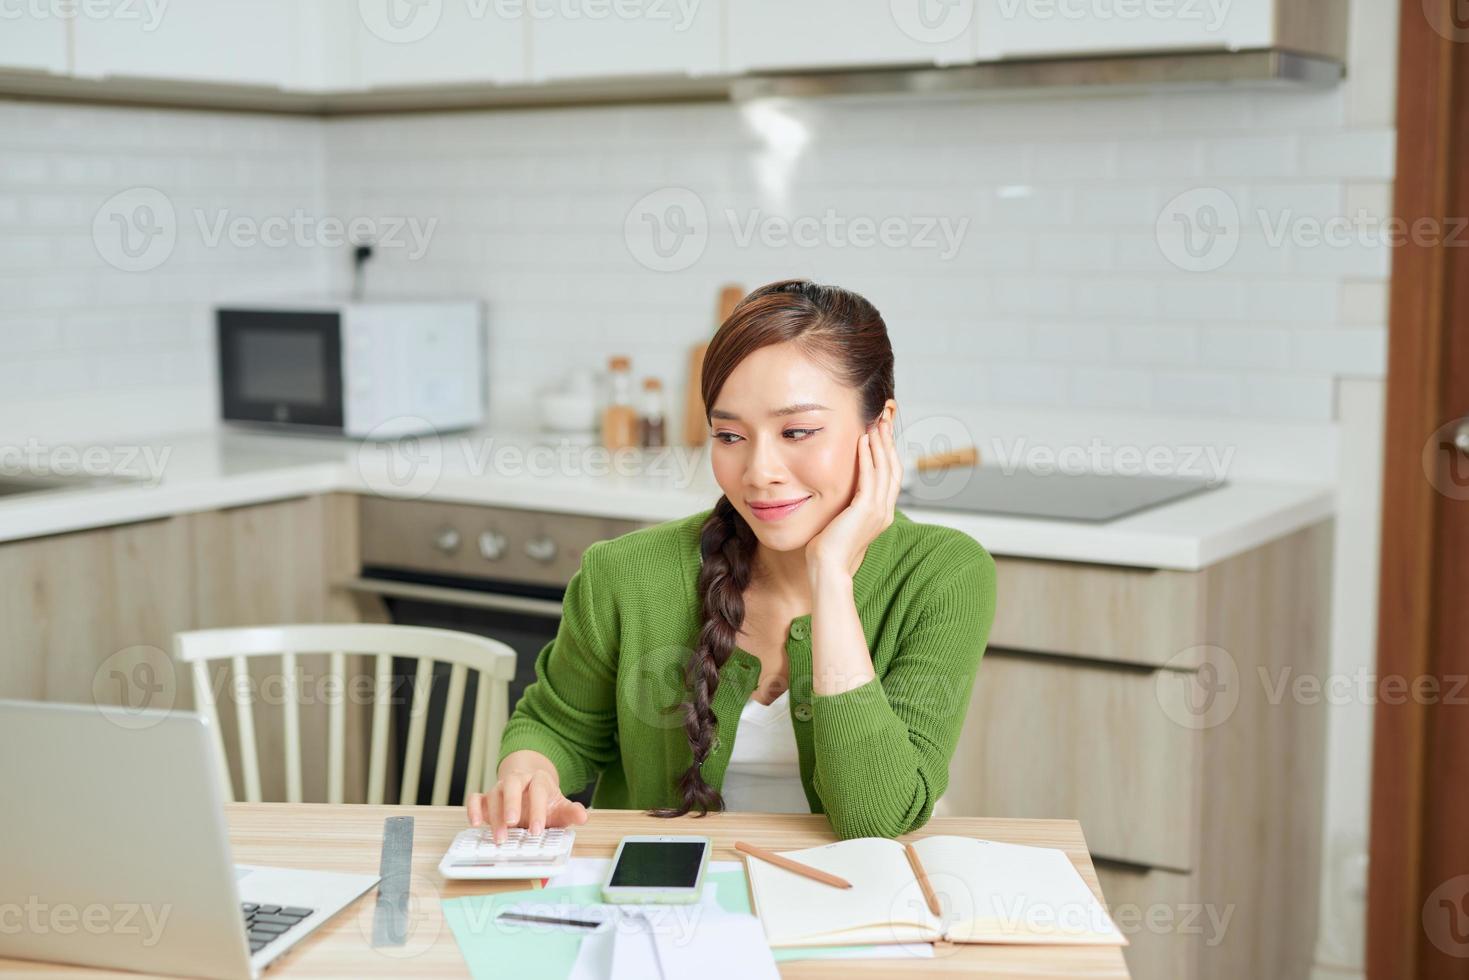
(115, 849)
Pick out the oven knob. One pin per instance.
(446, 539)
(541, 549)
(492, 545)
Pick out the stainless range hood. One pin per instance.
(1201, 69)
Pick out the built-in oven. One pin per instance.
(499, 572)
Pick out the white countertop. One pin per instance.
(205, 471)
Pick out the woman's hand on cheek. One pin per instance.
(842, 544)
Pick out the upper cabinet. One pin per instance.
(588, 39)
(781, 34)
(1017, 28)
(241, 42)
(399, 43)
(322, 55)
(33, 38)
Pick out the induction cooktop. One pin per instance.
(1093, 497)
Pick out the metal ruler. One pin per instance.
(390, 917)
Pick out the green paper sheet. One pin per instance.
(493, 951)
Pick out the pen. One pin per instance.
(550, 919)
(779, 861)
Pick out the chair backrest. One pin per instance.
(493, 660)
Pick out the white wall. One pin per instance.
(1057, 296)
(96, 342)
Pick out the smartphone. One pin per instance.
(661, 870)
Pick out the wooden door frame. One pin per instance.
(1420, 768)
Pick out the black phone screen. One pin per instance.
(658, 864)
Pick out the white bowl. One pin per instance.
(568, 411)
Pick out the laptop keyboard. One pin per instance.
(267, 923)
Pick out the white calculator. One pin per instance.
(474, 853)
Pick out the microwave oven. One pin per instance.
(364, 369)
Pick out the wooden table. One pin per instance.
(349, 838)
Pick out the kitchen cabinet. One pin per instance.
(771, 34)
(1161, 709)
(1048, 28)
(326, 56)
(89, 617)
(610, 40)
(230, 42)
(33, 39)
(436, 44)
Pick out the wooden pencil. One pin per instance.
(923, 882)
(816, 874)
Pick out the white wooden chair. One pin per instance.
(494, 660)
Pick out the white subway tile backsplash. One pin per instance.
(1251, 156)
(1085, 342)
(1162, 344)
(1026, 384)
(1118, 206)
(1111, 388)
(1159, 158)
(1198, 392)
(1363, 154)
(1052, 289)
(1321, 109)
(1289, 397)
(1237, 346)
(1364, 302)
(1358, 351)
(1202, 113)
(1107, 296)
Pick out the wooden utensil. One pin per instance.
(695, 425)
(923, 882)
(780, 861)
(965, 456)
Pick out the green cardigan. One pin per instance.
(874, 759)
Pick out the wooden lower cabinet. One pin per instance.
(1090, 724)
(1194, 764)
(1165, 924)
(89, 616)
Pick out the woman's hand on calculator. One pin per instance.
(528, 794)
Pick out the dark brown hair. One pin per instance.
(845, 334)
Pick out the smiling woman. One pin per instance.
(801, 645)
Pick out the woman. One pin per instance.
(835, 641)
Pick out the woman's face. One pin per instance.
(763, 453)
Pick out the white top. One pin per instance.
(764, 771)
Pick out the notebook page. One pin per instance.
(1013, 893)
(878, 908)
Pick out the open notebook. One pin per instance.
(989, 892)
